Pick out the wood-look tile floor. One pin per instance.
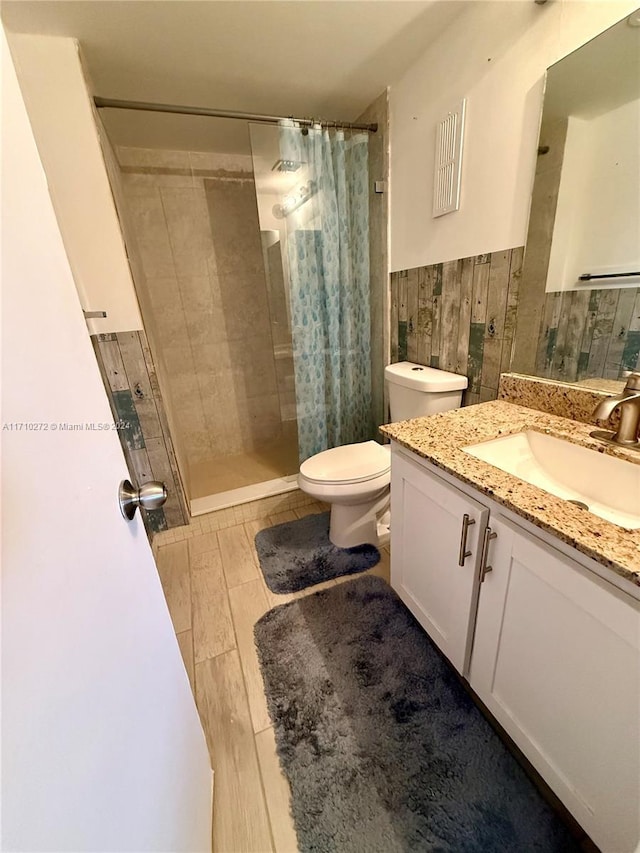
(215, 593)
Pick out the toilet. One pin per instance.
(355, 478)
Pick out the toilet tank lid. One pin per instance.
(422, 378)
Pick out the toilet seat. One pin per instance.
(351, 463)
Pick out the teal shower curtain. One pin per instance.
(327, 226)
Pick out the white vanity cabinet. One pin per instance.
(435, 528)
(554, 649)
(555, 659)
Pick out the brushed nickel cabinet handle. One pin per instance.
(484, 568)
(466, 524)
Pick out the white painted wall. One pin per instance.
(102, 748)
(495, 55)
(58, 102)
(598, 211)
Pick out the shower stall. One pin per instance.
(210, 236)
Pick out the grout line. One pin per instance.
(248, 705)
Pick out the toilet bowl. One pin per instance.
(355, 478)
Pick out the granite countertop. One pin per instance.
(440, 439)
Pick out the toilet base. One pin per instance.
(384, 529)
(360, 524)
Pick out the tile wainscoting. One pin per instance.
(587, 334)
(132, 387)
(459, 316)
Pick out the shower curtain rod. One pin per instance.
(113, 103)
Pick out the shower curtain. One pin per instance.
(327, 227)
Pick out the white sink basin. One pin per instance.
(609, 487)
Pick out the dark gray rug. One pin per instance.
(383, 748)
(298, 554)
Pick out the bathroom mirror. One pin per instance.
(579, 311)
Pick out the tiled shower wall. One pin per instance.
(459, 316)
(132, 387)
(195, 220)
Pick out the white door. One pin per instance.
(555, 659)
(102, 748)
(427, 531)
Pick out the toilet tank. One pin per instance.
(416, 390)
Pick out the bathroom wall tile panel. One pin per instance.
(394, 308)
(402, 340)
(437, 281)
(204, 319)
(245, 306)
(450, 314)
(412, 315)
(634, 325)
(557, 356)
(621, 326)
(436, 309)
(254, 370)
(582, 334)
(464, 315)
(235, 229)
(602, 331)
(513, 294)
(137, 184)
(126, 414)
(631, 353)
(179, 178)
(577, 310)
(498, 290)
(476, 352)
(161, 470)
(548, 333)
(480, 290)
(149, 431)
(189, 230)
(156, 521)
(402, 296)
(425, 313)
(150, 226)
(141, 465)
(140, 384)
(465, 310)
(110, 360)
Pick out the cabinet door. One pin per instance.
(555, 659)
(426, 530)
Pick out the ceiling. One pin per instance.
(316, 58)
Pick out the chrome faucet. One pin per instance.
(628, 433)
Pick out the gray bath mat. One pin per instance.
(298, 554)
(382, 746)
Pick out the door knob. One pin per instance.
(151, 495)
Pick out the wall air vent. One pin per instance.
(446, 178)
